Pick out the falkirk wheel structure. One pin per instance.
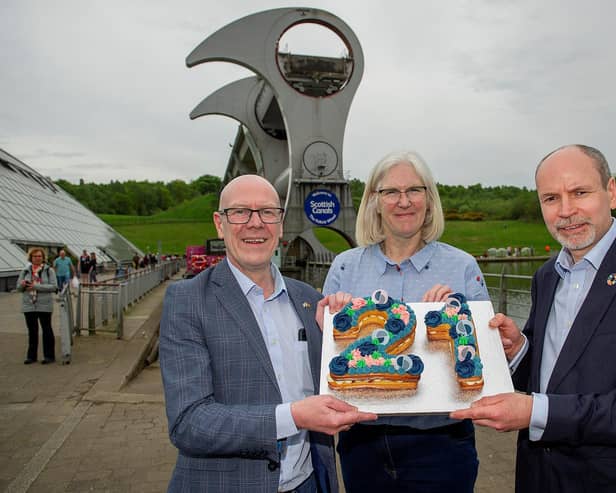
(293, 114)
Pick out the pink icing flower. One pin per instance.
(358, 303)
(352, 363)
(370, 361)
(356, 354)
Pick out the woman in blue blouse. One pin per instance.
(399, 221)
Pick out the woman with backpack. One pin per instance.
(38, 284)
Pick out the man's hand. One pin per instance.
(438, 292)
(326, 414)
(503, 412)
(335, 303)
(510, 335)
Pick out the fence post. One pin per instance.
(79, 312)
(120, 311)
(91, 313)
(502, 294)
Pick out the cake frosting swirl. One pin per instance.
(454, 323)
(374, 361)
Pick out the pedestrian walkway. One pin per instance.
(90, 426)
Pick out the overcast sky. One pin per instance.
(482, 89)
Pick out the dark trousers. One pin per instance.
(32, 322)
(403, 459)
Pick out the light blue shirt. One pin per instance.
(575, 282)
(63, 266)
(279, 325)
(360, 271)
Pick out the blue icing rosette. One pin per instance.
(465, 368)
(433, 318)
(342, 321)
(458, 296)
(339, 365)
(418, 366)
(395, 325)
(367, 347)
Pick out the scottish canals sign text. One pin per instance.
(322, 207)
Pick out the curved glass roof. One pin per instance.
(35, 211)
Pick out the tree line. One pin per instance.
(476, 202)
(144, 198)
(138, 198)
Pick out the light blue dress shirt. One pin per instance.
(575, 282)
(360, 271)
(280, 324)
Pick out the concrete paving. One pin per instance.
(99, 423)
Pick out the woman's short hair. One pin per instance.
(369, 225)
(33, 250)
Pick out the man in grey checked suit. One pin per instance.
(240, 357)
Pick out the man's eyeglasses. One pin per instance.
(241, 215)
(393, 195)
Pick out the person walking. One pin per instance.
(84, 266)
(63, 266)
(38, 284)
(92, 271)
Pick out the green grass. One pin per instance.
(476, 237)
(199, 209)
(191, 224)
(173, 237)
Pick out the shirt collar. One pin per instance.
(247, 284)
(419, 259)
(564, 261)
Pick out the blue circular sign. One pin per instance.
(322, 207)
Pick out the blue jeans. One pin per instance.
(62, 280)
(403, 459)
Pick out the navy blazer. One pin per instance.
(220, 388)
(577, 451)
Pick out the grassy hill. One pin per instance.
(190, 223)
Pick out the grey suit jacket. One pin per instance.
(221, 390)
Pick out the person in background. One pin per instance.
(84, 266)
(93, 268)
(240, 352)
(563, 362)
(398, 224)
(38, 284)
(64, 269)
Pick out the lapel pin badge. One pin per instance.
(307, 305)
(611, 279)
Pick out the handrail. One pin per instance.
(103, 303)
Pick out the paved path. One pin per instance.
(87, 427)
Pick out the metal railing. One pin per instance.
(510, 294)
(67, 323)
(101, 305)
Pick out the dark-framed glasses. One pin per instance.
(241, 215)
(393, 195)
